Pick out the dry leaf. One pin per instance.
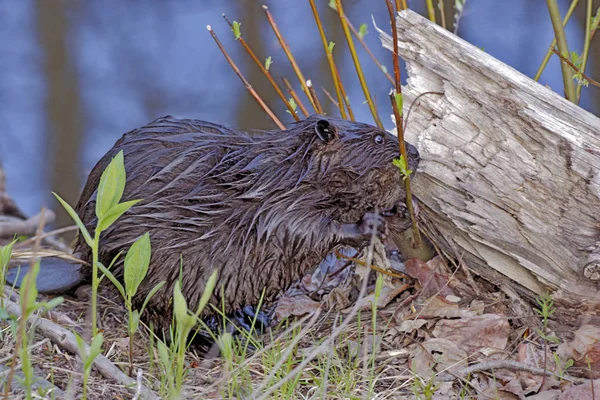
(475, 332)
(584, 345)
(297, 305)
(432, 283)
(582, 392)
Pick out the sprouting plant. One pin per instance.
(423, 389)
(88, 354)
(5, 255)
(268, 62)
(29, 305)
(292, 104)
(561, 371)
(135, 267)
(172, 360)
(108, 210)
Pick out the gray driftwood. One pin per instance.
(510, 171)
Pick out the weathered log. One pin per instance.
(510, 170)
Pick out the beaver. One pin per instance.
(262, 208)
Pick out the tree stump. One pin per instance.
(509, 180)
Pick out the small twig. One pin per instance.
(538, 74)
(574, 67)
(502, 364)
(368, 50)
(586, 45)
(45, 235)
(563, 47)
(442, 13)
(400, 126)
(430, 10)
(292, 93)
(359, 72)
(344, 95)
(330, 60)
(315, 99)
(399, 275)
(245, 82)
(330, 97)
(264, 71)
(288, 53)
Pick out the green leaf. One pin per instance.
(384, 69)
(399, 103)
(236, 29)
(6, 254)
(292, 104)
(332, 4)
(150, 294)
(330, 47)
(112, 278)
(208, 291)
(401, 164)
(179, 305)
(49, 305)
(268, 62)
(95, 349)
(29, 290)
(136, 264)
(115, 258)
(111, 186)
(113, 214)
(163, 355)
(362, 31)
(75, 218)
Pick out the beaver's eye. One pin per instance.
(379, 139)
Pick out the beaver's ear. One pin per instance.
(325, 131)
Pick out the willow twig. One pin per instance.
(244, 81)
(586, 44)
(292, 93)
(399, 125)
(563, 48)
(314, 97)
(574, 67)
(288, 53)
(538, 74)
(356, 61)
(264, 71)
(330, 60)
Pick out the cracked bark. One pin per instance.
(510, 171)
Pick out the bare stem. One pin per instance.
(356, 61)
(314, 97)
(264, 71)
(538, 74)
(289, 55)
(292, 93)
(330, 60)
(400, 125)
(574, 67)
(563, 48)
(442, 13)
(245, 82)
(586, 44)
(430, 10)
(369, 52)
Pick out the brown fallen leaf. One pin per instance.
(583, 348)
(583, 391)
(474, 333)
(437, 307)
(432, 282)
(297, 305)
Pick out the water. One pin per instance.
(75, 76)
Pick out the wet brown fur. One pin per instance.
(262, 208)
